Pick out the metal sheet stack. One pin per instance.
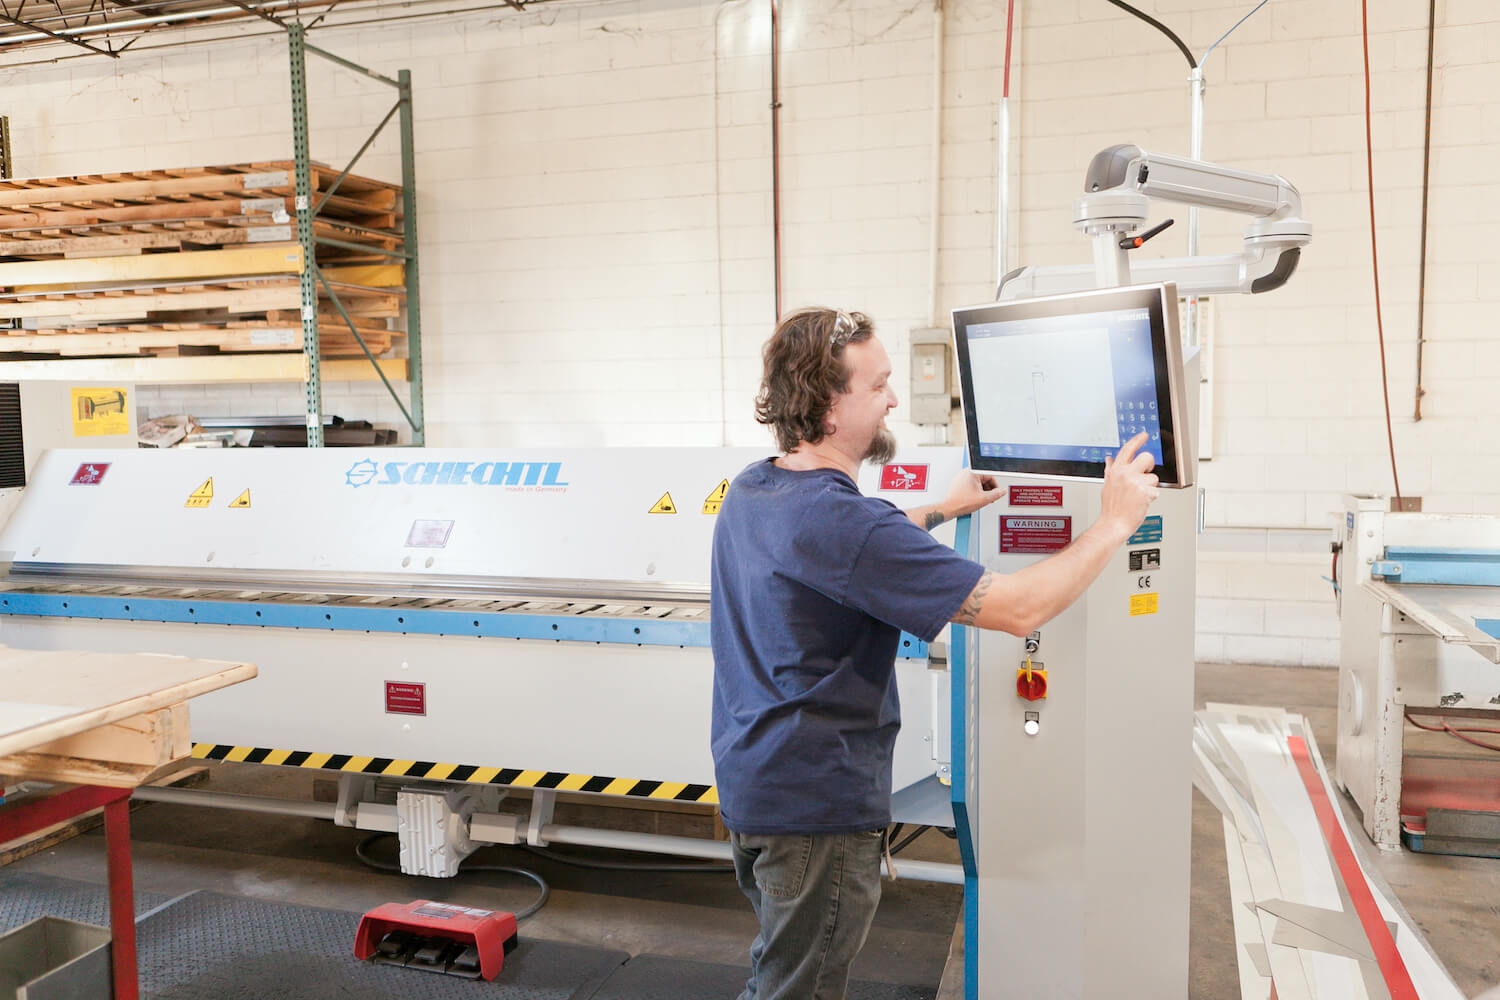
(192, 261)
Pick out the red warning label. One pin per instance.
(1036, 496)
(1035, 534)
(405, 699)
(89, 474)
(903, 477)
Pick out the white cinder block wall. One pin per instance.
(594, 190)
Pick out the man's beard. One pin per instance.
(882, 449)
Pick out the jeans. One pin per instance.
(815, 897)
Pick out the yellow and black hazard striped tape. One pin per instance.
(509, 776)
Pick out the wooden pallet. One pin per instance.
(270, 179)
(172, 339)
(276, 300)
(195, 259)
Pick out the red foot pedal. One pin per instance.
(437, 937)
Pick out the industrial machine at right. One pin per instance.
(1419, 685)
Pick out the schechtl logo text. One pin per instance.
(367, 472)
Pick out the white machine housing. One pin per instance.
(537, 618)
(1409, 646)
(1082, 829)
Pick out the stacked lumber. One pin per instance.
(193, 261)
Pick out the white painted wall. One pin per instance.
(594, 203)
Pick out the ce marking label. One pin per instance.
(1143, 583)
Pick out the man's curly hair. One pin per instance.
(804, 370)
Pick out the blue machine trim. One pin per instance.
(1490, 626)
(504, 625)
(1453, 567)
(958, 666)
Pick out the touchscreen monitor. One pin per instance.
(1052, 386)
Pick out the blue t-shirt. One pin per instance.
(813, 583)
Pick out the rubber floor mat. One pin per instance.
(25, 896)
(214, 947)
(654, 977)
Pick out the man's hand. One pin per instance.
(968, 492)
(1129, 487)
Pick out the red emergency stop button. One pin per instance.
(1031, 684)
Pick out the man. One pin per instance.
(812, 585)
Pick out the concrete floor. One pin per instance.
(1455, 901)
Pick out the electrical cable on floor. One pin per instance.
(895, 831)
(1458, 731)
(903, 845)
(541, 901)
(627, 866)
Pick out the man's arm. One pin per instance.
(1020, 603)
(968, 492)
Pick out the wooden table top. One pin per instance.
(47, 695)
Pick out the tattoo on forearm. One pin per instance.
(933, 519)
(969, 612)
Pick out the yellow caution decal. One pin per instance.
(1143, 604)
(664, 505)
(202, 496)
(470, 773)
(715, 500)
(243, 500)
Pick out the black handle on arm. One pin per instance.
(1133, 242)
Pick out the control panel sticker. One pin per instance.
(1143, 604)
(99, 412)
(1036, 496)
(429, 534)
(447, 911)
(1035, 534)
(715, 500)
(405, 698)
(903, 478)
(89, 474)
(203, 495)
(664, 505)
(1148, 532)
(242, 501)
(1144, 559)
(1349, 524)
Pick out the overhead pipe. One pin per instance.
(1002, 203)
(776, 150)
(937, 163)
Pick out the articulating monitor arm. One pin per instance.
(1120, 184)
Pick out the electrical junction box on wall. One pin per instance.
(932, 388)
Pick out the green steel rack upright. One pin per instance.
(312, 275)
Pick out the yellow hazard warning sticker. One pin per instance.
(1142, 604)
(243, 500)
(664, 505)
(202, 495)
(714, 500)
